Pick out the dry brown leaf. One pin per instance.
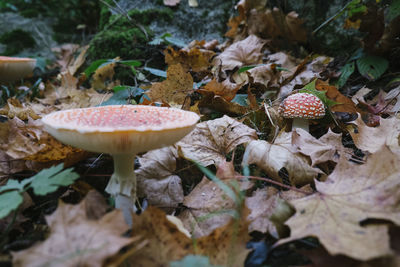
(265, 75)
(75, 240)
(242, 53)
(272, 158)
(175, 89)
(165, 242)
(209, 102)
(321, 150)
(194, 59)
(65, 55)
(226, 89)
(102, 76)
(352, 194)
(212, 140)
(208, 206)
(226, 246)
(345, 103)
(14, 108)
(157, 180)
(372, 139)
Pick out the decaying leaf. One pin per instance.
(75, 240)
(212, 140)
(165, 242)
(320, 150)
(241, 53)
(344, 103)
(174, 90)
(225, 89)
(156, 179)
(273, 158)
(351, 195)
(193, 59)
(372, 139)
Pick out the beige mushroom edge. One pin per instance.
(15, 68)
(122, 131)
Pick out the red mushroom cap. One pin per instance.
(302, 105)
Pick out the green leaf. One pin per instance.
(132, 63)
(15, 185)
(241, 99)
(372, 67)
(246, 68)
(157, 72)
(347, 70)
(175, 41)
(310, 88)
(49, 180)
(95, 65)
(192, 261)
(394, 10)
(9, 201)
(122, 93)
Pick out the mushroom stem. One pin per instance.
(122, 185)
(300, 123)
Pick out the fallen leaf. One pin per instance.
(344, 104)
(165, 242)
(175, 89)
(372, 139)
(321, 150)
(75, 240)
(241, 53)
(272, 158)
(212, 140)
(210, 102)
(194, 59)
(156, 178)
(226, 89)
(351, 195)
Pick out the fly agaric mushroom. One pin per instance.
(14, 68)
(122, 131)
(302, 107)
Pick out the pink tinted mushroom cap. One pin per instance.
(302, 105)
(120, 129)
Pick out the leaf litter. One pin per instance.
(347, 206)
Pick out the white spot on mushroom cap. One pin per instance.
(302, 105)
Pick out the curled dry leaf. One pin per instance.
(241, 53)
(174, 90)
(14, 108)
(210, 102)
(226, 89)
(194, 59)
(156, 179)
(351, 195)
(372, 139)
(212, 140)
(344, 103)
(272, 158)
(320, 150)
(76, 240)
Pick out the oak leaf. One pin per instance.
(194, 59)
(351, 195)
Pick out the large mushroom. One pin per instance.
(302, 107)
(122, 131)
(15, 68)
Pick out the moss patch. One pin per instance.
(16, 41)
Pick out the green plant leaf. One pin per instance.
(95, 65)
(49, 180)
(9, 201)
(175, 41)
(132, 63)
(394, 9)
(157, 72)
(241, 99)
(372, 67)
(246, 68)
(347, 70)
(15, 185)
(122, 93)
(192, 261)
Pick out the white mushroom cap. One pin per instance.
(302, 105)
(14, 68)
(120, 129)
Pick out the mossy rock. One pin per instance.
(16, 41)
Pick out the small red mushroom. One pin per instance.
(302, 107)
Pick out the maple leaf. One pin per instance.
(372, 139)
(157, 180)
(75, 240)
(352, 194)
(241, 53)
(320, 150)
(212, 140)
(226, 89)
(175, 89)
(274, 157)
